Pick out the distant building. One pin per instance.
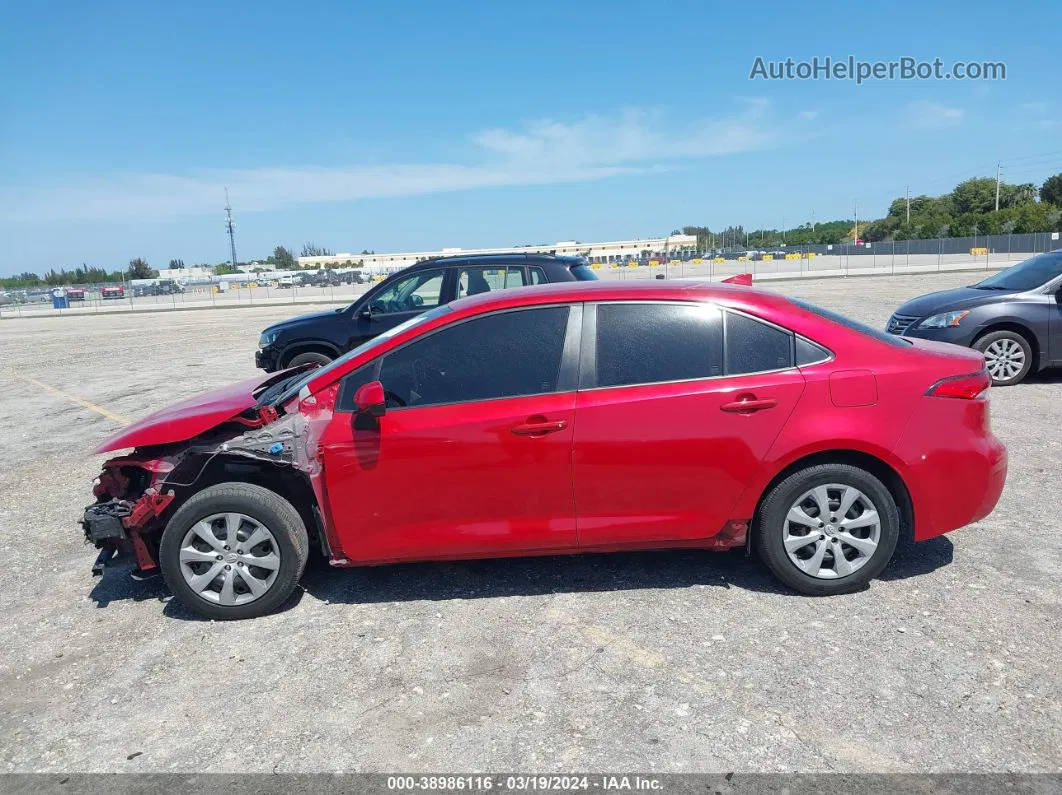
(603, 253)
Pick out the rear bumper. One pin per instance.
(956, 467)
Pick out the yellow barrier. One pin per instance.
(634, 264)
(792, 256)
(812, 254)
(743, 258)
(674, 262)
(719, 259)
(697, 260)
(768, 257)
(980, 251)
(595, 266)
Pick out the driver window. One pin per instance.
(506, 354)
(416, 292)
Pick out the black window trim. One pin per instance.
(588, 360)
(567, 374)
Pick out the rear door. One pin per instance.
(678, 405)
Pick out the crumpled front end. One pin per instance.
(131, 497)
(137, 494)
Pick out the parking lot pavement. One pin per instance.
(672, 661)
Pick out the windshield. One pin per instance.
(854, 325)
(583, 273)
(301, 379)
(1028, 275)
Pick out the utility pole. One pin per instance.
(230, 225)
(997, 187)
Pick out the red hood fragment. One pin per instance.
(189, 418)
(744, 279)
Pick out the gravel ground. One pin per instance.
(674, 661)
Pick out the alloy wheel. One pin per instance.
(831, 531)
(1004, 359)
(229, 559)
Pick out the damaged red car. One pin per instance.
(561, 419)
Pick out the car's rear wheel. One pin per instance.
(234, 550)
(828, 529)
(1008, 356)
(309, 357)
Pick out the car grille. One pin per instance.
(898, 324)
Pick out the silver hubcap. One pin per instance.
(1004, 359)
(229, 559)
(831, 531)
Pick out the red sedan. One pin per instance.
(559, 419)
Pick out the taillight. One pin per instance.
(965, 387)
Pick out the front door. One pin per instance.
(473, 456)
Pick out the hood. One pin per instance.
(189, 418)
(950, 300)
(301, 319)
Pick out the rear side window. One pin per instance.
(506, 354)
(538, 276)
(807, 352)
(653, 343)
(485, 279)
(755, 347)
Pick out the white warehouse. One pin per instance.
(603, 253)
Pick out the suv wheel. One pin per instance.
(828, 529)
(234, 550)
(1008, 356)
(309, 357)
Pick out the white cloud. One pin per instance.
(931, 115)
(544, 151)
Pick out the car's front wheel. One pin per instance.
(1008, 356)
(828, 529)
(309, 357)
(234, 550)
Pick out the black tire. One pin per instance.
(1006, 336)
(771, 524)
(264, 506)
(309, 357)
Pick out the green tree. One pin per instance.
(310, 250)
(283, 258)
(976, 196)
(139, 269)
(1051, 190)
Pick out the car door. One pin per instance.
(1054, 342)
(473, 455)
(678, 405)
(398, 301)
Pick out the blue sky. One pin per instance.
(427, 124)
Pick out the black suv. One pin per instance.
(323, 336)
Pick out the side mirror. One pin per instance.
(369, 399)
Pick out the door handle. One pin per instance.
(539, 427)
(748, 404)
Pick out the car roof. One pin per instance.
(515, 259)
(611, 290)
